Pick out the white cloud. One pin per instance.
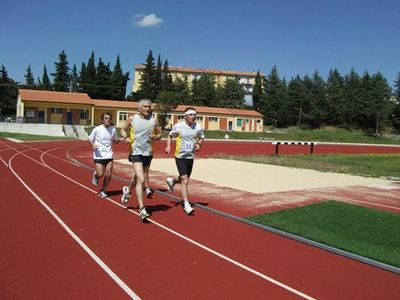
(147, 21)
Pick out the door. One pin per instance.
(41, 116)
(69, 118)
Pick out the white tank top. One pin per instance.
(140, 135)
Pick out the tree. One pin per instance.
(103, 81)
(273, 104)
(203, 91)
(87, 77)
(233, 94)
(166, 102)
(297, 93)
(318, 103)
(395, 117)
(45, 83)
(29, 80)
(334, 96)
(61, 75)
(119, 81)
(181, 87)
(257, 92)
(74, 80)
(166, 78)
(380, 107)
(147, 81)
(8, 93)
(349, 110)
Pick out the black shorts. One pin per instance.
(184, 166)
(146, 160)
(103, 162)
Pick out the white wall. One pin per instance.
(38, 129)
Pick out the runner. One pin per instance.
(189, 139)
(101, 139)
(145, 130)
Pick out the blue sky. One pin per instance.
(298, 36)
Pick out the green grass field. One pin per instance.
(363, 231)
(31, 137)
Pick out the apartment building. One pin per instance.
(246, 79)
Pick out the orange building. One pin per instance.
(47, 107)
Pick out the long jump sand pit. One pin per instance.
(262, 178)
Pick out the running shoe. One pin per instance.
(170, 184)
(125, 195)
(188, 208)
(148, 192)
(95, 180)
(143, 213)
(102, 194)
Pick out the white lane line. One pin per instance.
(4, 162)
(97, 259)
(216, 253)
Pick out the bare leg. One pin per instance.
(138, 167)
(108, 174)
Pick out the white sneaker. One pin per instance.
(188, 208)
(125, 195)
(143, 213)
(102, 194)
(148, 192)
(170, 184)
(95, 180)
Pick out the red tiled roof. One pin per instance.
(115, 104)
(219, 110)
(201, 71)
(50, 96)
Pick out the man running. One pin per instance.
(189, 139)
(101, 139)
(145, 130)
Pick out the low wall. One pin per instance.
(38, 129)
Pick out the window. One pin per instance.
(56, 110)
(84, 114)
(239, 122)
(181, 117)
(200, 119)
(213, 119)
(169, 117)
(123, 116)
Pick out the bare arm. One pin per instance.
(125, 130)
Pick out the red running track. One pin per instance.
(174, 256)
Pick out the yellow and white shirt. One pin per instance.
(186, 137)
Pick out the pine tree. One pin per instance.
(61, 76)
(45, 83)
(349, 110)
(257, 92)
(74, 80)
(233, 94)
(8, 93)
(297, 93)
(380, 107)
(166, 102)
(158, 80)
(103, 81)
(273, 103)
(147, 82)
(87, 77)
(166, 78)
(395, 117)
(203, 91)
(29, 80)
(318, 104)
(181, 87)
(119, 81)
(334, 96)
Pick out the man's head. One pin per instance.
(190, 115)
(106, 118)
(144, 107)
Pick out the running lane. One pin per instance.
(321, 274)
